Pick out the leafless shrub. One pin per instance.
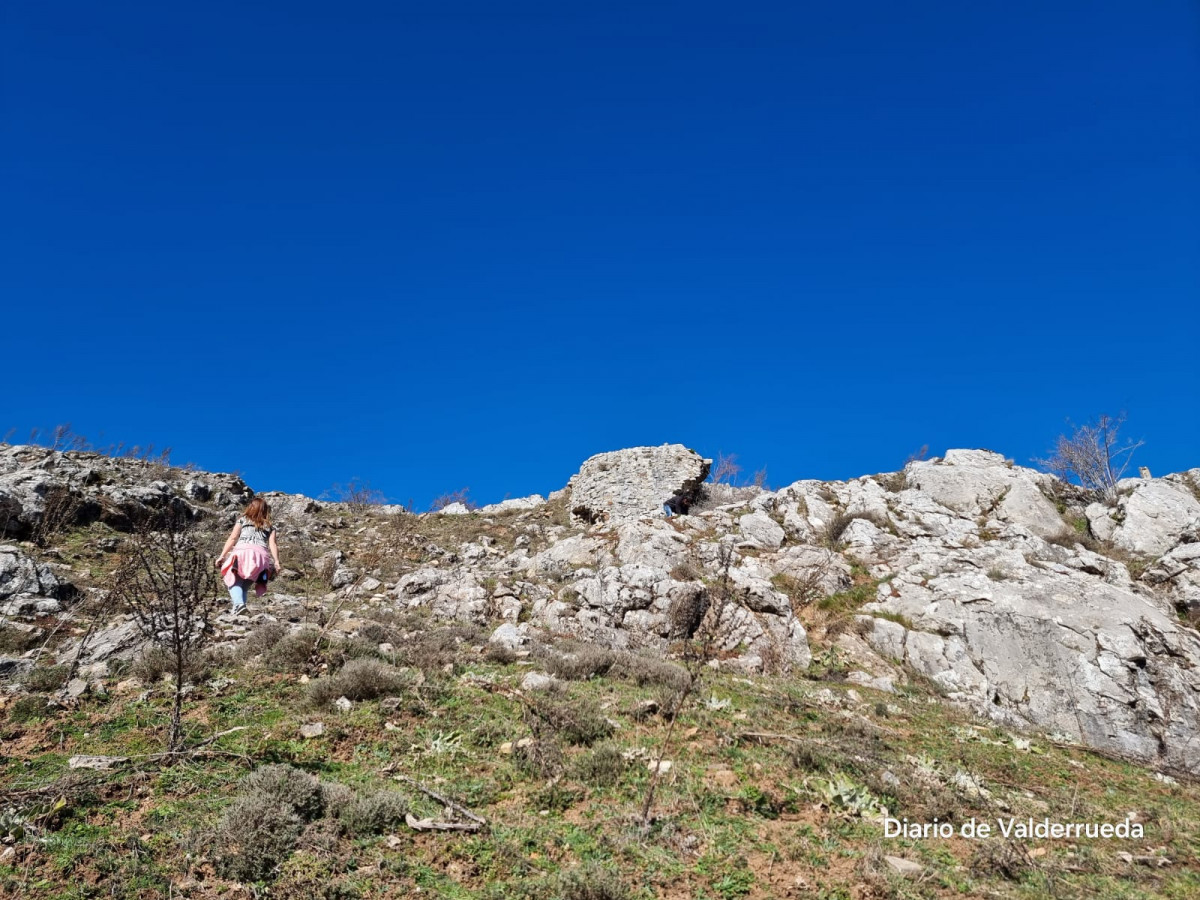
(1093, 456)
(360, 679)
(166, 581)
(462, 495)
(357, 494)
(725, 470)
(60, 509)
(299, 650)
(686, 571)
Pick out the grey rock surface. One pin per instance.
(629, 484)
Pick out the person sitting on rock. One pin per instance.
(254, 558)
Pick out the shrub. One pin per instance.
(297, 790)
(255, 835)
(1093, 456)
(644, 670)
(294, 651)
(592, 882)
(360, 679)
(335, 797)
(540, 759)
(261, 640)
(602, 766)
(585, 663)
(29, 709)
(576, 721)
(375, 813)
(45, 678)
(308, 877)
(151, 666)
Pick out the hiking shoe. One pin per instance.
(239, 610)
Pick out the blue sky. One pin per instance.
(470, 244)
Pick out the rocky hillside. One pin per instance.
(988, 589)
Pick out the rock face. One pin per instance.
(1066, 622)
(630, 484)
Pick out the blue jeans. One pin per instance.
(238, 592)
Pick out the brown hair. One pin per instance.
(259, 512)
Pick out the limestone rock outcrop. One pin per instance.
(629, 484)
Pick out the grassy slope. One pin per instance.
(744, 810)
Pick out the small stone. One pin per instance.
(663, 766)
(393, 842)
(537, 681)
(386, 648)
(506, 748)
(312, 729)
(76, 688)
(342, 704)
(905, 868)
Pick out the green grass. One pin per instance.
(709, 837)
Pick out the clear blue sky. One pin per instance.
(456, 244)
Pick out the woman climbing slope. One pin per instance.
(254, 558)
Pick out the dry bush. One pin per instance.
(1093, 456)
(374, 813)
(574, 720)
(262, 640)
(645, 670)
(602, 766)
(29, 709)
(726, 469)
(321, 837)
(462, 495)
(831, 537)
(357, 494)
(584, 663)
(297, 650)
(686, 571)
(298, 790)
(541, 759)
(256, 834)
(61, 507)
(686, 613)
(335, 797)
(45, 678)
(499, 653)
(592, 881)
(432, 649)
(359, 679)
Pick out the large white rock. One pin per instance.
(629, 484)
(979, 482)
(1048, 646)
(1154, 515)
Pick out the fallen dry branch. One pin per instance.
(429, 825)
(445, 801)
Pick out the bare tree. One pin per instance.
(696, 652)
(726, 469)
(165, 579)
(1093, 455)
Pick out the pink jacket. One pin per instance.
(252, 561)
